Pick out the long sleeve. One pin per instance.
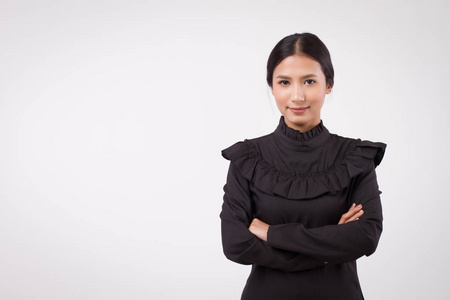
(300, 183)
(239, 244)
(338, 243)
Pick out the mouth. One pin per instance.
(298, 110)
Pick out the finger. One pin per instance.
(352, 208)
(351, 215)
(356, 208)
(352, 211)
(355, 216)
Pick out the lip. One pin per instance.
(298, 110)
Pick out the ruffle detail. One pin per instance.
(297, 135)
(354, 161)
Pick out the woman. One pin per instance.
(301, 204)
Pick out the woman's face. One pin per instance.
(299, 87)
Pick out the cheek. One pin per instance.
(279, 99)
(317, 95)
(279, 95)
(278, 102)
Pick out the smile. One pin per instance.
(298, 110)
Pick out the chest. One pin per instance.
(323, 210)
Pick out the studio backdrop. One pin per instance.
(113, 115)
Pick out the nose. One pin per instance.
(297, 93)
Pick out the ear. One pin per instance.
(329, 87)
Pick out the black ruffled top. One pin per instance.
(301, 184)
(278, 179)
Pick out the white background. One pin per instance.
(113, 115)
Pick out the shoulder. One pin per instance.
(247, 147)
(358, 148)
(354, 156)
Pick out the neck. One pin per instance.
(302, 127)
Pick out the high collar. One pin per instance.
(301, 141)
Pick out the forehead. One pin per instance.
(298, 65)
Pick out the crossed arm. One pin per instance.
(260, 229)
(292, 247)
(243, 247)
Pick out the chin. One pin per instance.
(300, 122)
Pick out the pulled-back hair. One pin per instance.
(302, 44)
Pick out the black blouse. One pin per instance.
(301, 184)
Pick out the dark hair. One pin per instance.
(305, 44)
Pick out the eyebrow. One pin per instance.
(305, 76)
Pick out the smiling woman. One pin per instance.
(301, 205)
(299, 77)
(301, 67)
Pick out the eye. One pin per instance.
(283, 82)
(309, 81)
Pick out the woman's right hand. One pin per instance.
(353, 214)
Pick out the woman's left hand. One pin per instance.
(259, 228)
